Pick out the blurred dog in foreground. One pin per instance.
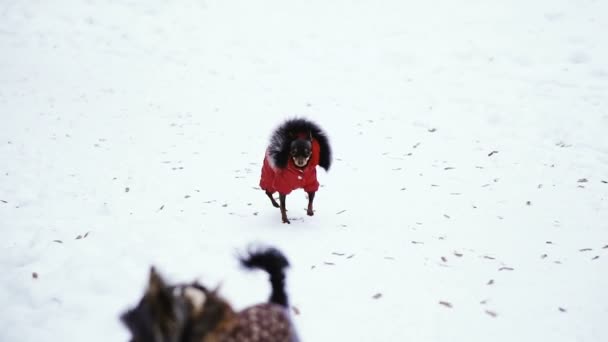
(296, 148)
(193, 313)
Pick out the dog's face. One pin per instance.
(161, 313)
(300, 152)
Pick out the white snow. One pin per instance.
(144, 123)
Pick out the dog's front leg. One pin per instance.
(274, 203)
(283, 209)
(311, 197)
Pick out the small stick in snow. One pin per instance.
(58, 241)
(543, 256)
(3, 201)
(595, 257)
(444, 259)
(446, 304)
(492, 153)
(340, 212)
(350, 256)
(161, 207)
(583, 180)
(458, 254)
(491, 282)
(504, 268)
(328, 263)
(338, 254)
(561, 309)
(585, 249)
(377, 296)
(127, 189)
(35, 275)
(491, 313)
(605, 247)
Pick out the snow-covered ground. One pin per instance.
(468, 200)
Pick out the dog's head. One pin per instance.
(162, 313)
(300, 151)
(155, 318)
(174, 313)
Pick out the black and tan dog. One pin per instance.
(296, 148)
(192, 313)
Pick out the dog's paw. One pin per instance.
(310, 212)
(286, 220)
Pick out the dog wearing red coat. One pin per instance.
(193, 313)
(296, 148)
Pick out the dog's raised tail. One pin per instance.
(274, 263)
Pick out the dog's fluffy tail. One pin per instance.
(274, 263)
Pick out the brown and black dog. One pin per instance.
(192, 313)
(296, 148)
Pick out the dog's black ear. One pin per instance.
(156, 284)
(159, 296)
(126, 318)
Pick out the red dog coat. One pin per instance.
(287, 179)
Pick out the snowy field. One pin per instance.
(468, 200)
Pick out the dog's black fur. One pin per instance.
(283, 136)
(172, 314)
(274, 263)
